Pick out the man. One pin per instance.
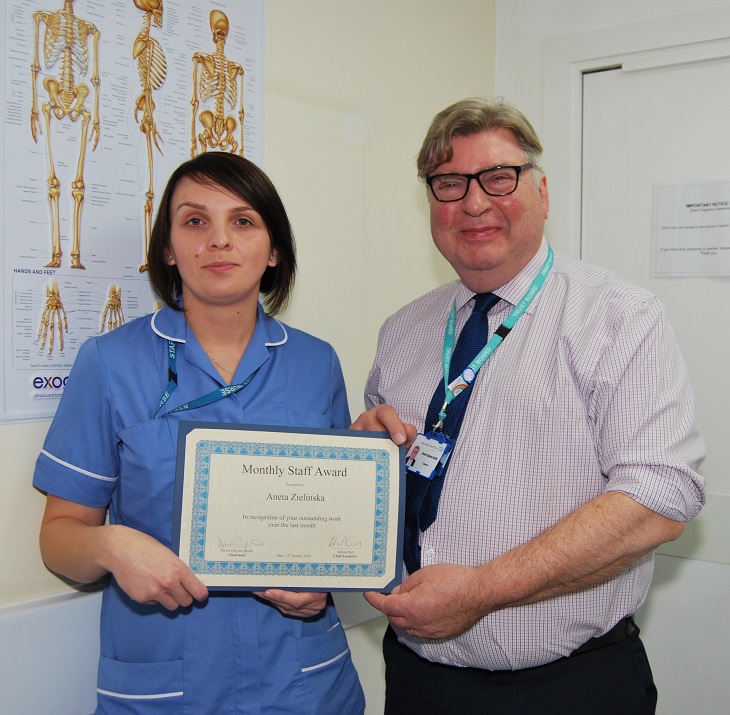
(531, 541)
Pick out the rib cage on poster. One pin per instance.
(103, 99)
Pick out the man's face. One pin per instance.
(489, 239)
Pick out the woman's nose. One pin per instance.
(218, 237)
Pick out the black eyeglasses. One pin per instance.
(497, 181)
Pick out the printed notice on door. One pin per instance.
(691, 227)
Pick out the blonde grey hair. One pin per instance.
(472, 116)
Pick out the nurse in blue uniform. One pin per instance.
(213, 353)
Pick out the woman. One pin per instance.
(221, 237)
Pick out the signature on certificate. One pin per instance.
(239, 546)
(344, 542)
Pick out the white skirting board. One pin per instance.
(49, 650)
(49, 647)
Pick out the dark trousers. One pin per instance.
(612, 680)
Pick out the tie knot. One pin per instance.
(484, 302)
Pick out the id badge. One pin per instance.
(428, 454)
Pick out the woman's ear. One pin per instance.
(274, 258)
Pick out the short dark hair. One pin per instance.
(243, 179)
(473, 116)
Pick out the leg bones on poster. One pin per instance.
(152, 68)
(66, 39)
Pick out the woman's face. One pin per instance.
(220, 245)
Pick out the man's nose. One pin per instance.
(476, 201)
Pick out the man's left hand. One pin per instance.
(588, 546)
(437, 601)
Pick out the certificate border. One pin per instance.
(384, 563)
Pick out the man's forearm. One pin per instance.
(593, 543)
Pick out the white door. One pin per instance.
(671, 125)
(663, 126)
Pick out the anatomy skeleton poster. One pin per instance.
(103, 99)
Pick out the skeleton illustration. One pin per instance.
(152, 68)
(66, 38)
(53, 315)
(113, 314)
(214, 76)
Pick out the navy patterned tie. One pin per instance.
(422, 495)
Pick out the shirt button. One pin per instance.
(445, 660)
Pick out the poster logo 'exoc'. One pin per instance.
(55, 382)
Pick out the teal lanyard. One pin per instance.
(208, 399)
(470, 372)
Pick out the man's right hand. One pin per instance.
(383, 418)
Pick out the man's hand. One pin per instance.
(438, 601)
(383, 418)
(588, 546)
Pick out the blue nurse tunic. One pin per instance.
(233, 653)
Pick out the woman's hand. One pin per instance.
(148, 572)
(77, 543)
(301, 604)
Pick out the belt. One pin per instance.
(624, 629)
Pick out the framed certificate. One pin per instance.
(266, 507)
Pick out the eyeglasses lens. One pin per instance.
(496, 182)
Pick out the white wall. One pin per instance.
(351, 89)
(524, 25)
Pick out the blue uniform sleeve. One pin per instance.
(340, 409)
(79, 461)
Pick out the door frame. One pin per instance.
(693, 37)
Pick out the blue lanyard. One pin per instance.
(470, 372)
(208, 399)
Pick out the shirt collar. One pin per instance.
(512, 291)
(170, 324)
